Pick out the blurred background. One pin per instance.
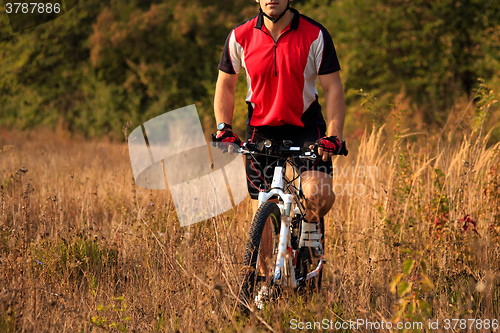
(105, 64)
(84, 249)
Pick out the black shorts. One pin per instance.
(260, 169)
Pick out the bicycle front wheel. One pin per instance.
(257, 285)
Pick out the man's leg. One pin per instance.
(317, 188)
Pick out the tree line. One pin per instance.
(106, 63)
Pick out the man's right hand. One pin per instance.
(226, 137)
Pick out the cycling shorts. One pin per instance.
(260, 169)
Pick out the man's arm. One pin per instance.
(335, 108)
(335, 104)
(224, 97)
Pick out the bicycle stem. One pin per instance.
(278, 178)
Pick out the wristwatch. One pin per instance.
(224, 126)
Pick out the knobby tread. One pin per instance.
(251, 251)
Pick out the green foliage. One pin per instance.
(486, 99)
(112, 316)
(43, 69)
(411, 287)
(74, 258)
(439, 208)
(106, 63)
(430, 51)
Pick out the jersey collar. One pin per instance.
(293, 25)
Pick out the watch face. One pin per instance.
(221, 126)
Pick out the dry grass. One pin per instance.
(83, 249)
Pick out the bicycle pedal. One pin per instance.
(317, 253)
(261, 278)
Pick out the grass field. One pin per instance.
(414, 236)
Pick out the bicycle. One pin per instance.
(273, 258)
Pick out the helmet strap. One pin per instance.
(274, 20)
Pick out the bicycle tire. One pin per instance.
(264, 235)
(307, 262)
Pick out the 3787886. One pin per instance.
(32, 8)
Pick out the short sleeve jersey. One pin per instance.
(281, 76)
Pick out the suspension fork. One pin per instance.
(284, 273)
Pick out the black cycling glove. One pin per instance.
(333, 145)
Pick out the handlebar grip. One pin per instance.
(342, 151)
(316, 149)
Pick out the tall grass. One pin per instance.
(414, 235)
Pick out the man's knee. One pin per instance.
(317, 187)
(321, 204)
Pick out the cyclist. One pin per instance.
(284, 54)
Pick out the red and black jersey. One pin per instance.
(281, 76)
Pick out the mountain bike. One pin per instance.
(274, 258)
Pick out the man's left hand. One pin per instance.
(329, 146)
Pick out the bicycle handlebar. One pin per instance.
(274, 149)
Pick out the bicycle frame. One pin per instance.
(284, 273)
(287, 258)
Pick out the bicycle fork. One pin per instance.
(284, 273)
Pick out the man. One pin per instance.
(283, 54)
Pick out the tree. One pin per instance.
(432, 51)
